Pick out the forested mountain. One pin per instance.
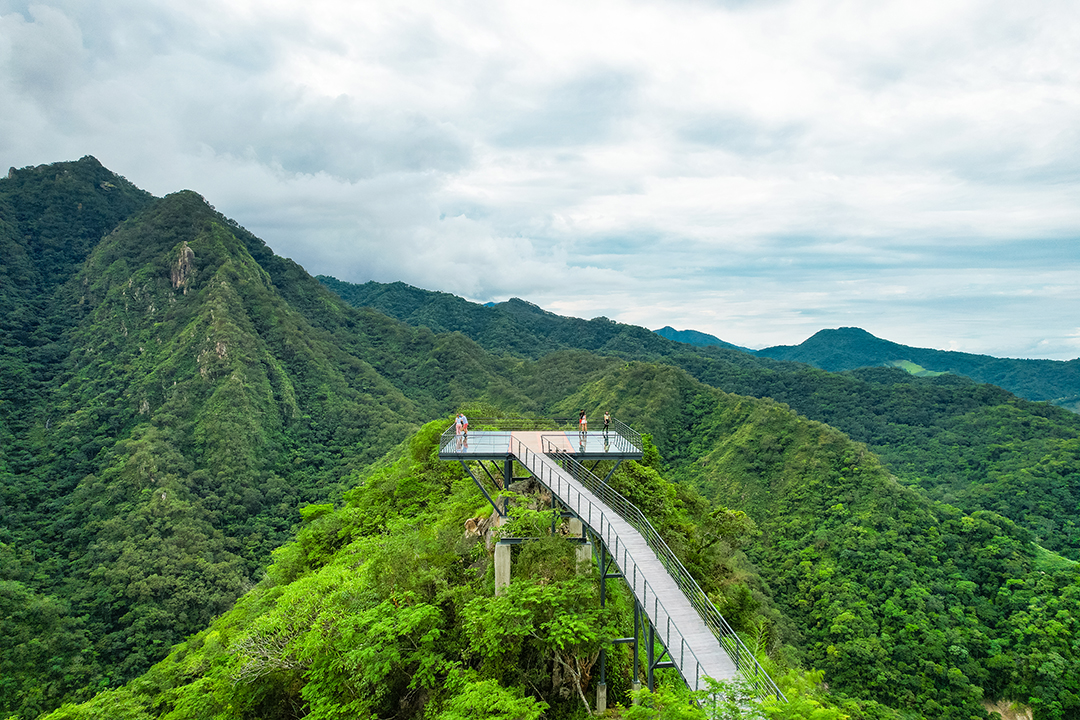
(168, 406)
(51, 217)
(177, 402)
(975, 446)
(383, 607)
(694, 337)
(515, 327)
(848, 348)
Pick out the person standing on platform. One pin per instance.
(607, 420)
(458, 430)
(583, 424)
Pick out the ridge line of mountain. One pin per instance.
(843, 349)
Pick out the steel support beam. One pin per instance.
(498, 510)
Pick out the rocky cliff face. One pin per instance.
(184, 268)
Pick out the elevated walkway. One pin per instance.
(698, 642)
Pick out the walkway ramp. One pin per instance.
(691, 645)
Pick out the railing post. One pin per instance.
(649, 650)
(637, 657)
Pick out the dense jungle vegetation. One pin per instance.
(384, 608)
(214, 503)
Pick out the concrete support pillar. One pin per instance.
(574, 527)
(502, 568)
(601, 698)
(501, 518)
(634, 687)
(583, 554)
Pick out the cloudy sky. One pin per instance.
(755, 170)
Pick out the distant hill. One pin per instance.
(694, 337)
(516, 326)
(848, 348)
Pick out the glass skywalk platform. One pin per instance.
(496, 444)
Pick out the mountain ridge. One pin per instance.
(934, 432)
(695, 337)
(849, 348)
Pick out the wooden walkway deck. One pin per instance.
(692, 646)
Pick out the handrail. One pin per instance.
(593, 515)
(633, 436)
(622, 444)
(625, 438)
(744, 660)
(486, 424)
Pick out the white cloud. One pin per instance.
(753, 170)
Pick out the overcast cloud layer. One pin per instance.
(756, 170)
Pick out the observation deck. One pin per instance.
(494, 440)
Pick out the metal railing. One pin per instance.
(623, 437)
(623, 430)
(594, 515)
(620, 443)
(503, 425)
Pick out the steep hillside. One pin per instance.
(51, 216)
(383, 607)
(198, 391)
(913, 604)
(849, 348)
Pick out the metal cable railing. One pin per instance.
(595, 516)
(740, 655)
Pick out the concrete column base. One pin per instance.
(601, 697)
(502, 568)
(634, 687)
(574, 527)
(583, 554)
(500, 520)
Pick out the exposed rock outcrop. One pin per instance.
(184, 268)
